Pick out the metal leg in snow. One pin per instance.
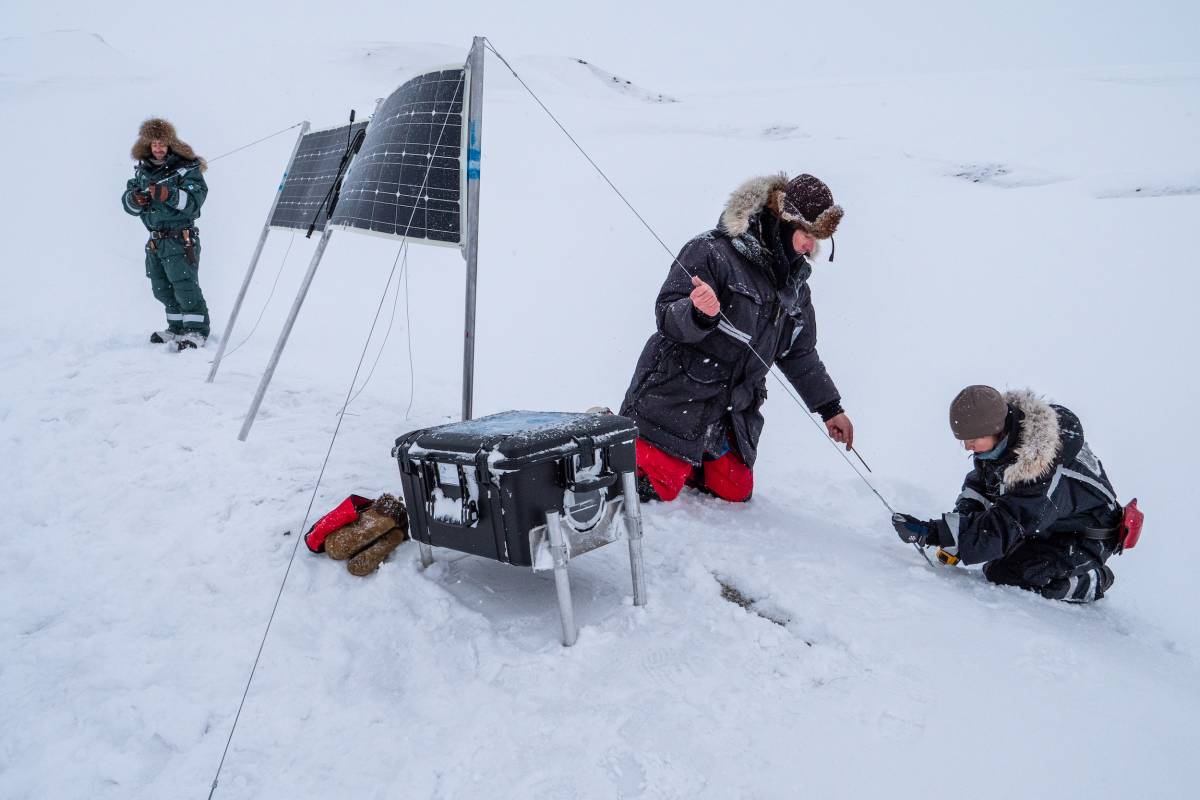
(558, 547)
(426, 554)
(283, 337)
(262, 240)
(633, 528)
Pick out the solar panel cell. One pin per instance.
(407, 178)
(309, 177)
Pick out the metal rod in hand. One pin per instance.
(860, 458)
(262, 240)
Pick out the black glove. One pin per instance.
(913, 530)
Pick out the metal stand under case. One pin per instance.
(561, 539)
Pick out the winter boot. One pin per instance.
(1085, 587)
(190, 341)
(368, 560)
(373, 524)
(162, 337)
(645, 490)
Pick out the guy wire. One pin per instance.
(256, 141)
(320, 476)
(675, 261)
(206, 161)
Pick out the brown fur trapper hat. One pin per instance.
(807, 203)
(156, 128)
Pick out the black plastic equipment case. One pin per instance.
(482, 485)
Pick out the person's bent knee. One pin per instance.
(666, 473)
(729, 478)
(732, 494)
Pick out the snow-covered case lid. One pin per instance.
(517, 436)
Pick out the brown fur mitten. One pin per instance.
(365, 562)
(384, 514)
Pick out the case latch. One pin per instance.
(453, 493)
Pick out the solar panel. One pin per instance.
(407, 179)
(311, 173)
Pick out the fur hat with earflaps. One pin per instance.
(157, 128)
(807, 203)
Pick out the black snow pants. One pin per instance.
(1066, 567)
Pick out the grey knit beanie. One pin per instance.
(978, 411)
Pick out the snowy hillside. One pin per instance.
(1019, 197)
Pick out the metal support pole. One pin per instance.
(426, 554)
(474, 142)
(262, 240)
(283, 336)
(562, 582)
(632, 508)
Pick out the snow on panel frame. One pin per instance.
(407, 179)
(309, 176)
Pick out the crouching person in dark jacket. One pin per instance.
(736, 302)
(1037, 510)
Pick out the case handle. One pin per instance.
(586, 459)
(592, 484)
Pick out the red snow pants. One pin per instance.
(727, 477)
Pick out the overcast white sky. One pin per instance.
(678, 43)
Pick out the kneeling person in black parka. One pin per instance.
(1037, 509)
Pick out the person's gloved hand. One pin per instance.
(140, 199)
(913, 530)
(159, 192)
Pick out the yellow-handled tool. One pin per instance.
(946, 559)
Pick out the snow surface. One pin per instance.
(1020, 187)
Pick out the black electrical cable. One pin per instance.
(353, 143)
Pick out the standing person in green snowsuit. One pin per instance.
(166, 191)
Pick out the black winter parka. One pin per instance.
(695, 372)
(1046, 484)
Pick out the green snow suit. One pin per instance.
(174, 278)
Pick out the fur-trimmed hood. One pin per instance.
(157, 128)
(768, 191)
(1039, 444)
